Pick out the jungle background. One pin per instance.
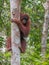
(33, 55)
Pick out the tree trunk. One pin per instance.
(15, 33)
(45, 29)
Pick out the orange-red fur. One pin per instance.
(24, 31)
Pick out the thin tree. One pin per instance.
(45, 29)
(15, 33)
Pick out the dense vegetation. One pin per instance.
(33, 52)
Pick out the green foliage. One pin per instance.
(33, 52)
(1, 41)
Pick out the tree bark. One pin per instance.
(45, 29)
(15, 33)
